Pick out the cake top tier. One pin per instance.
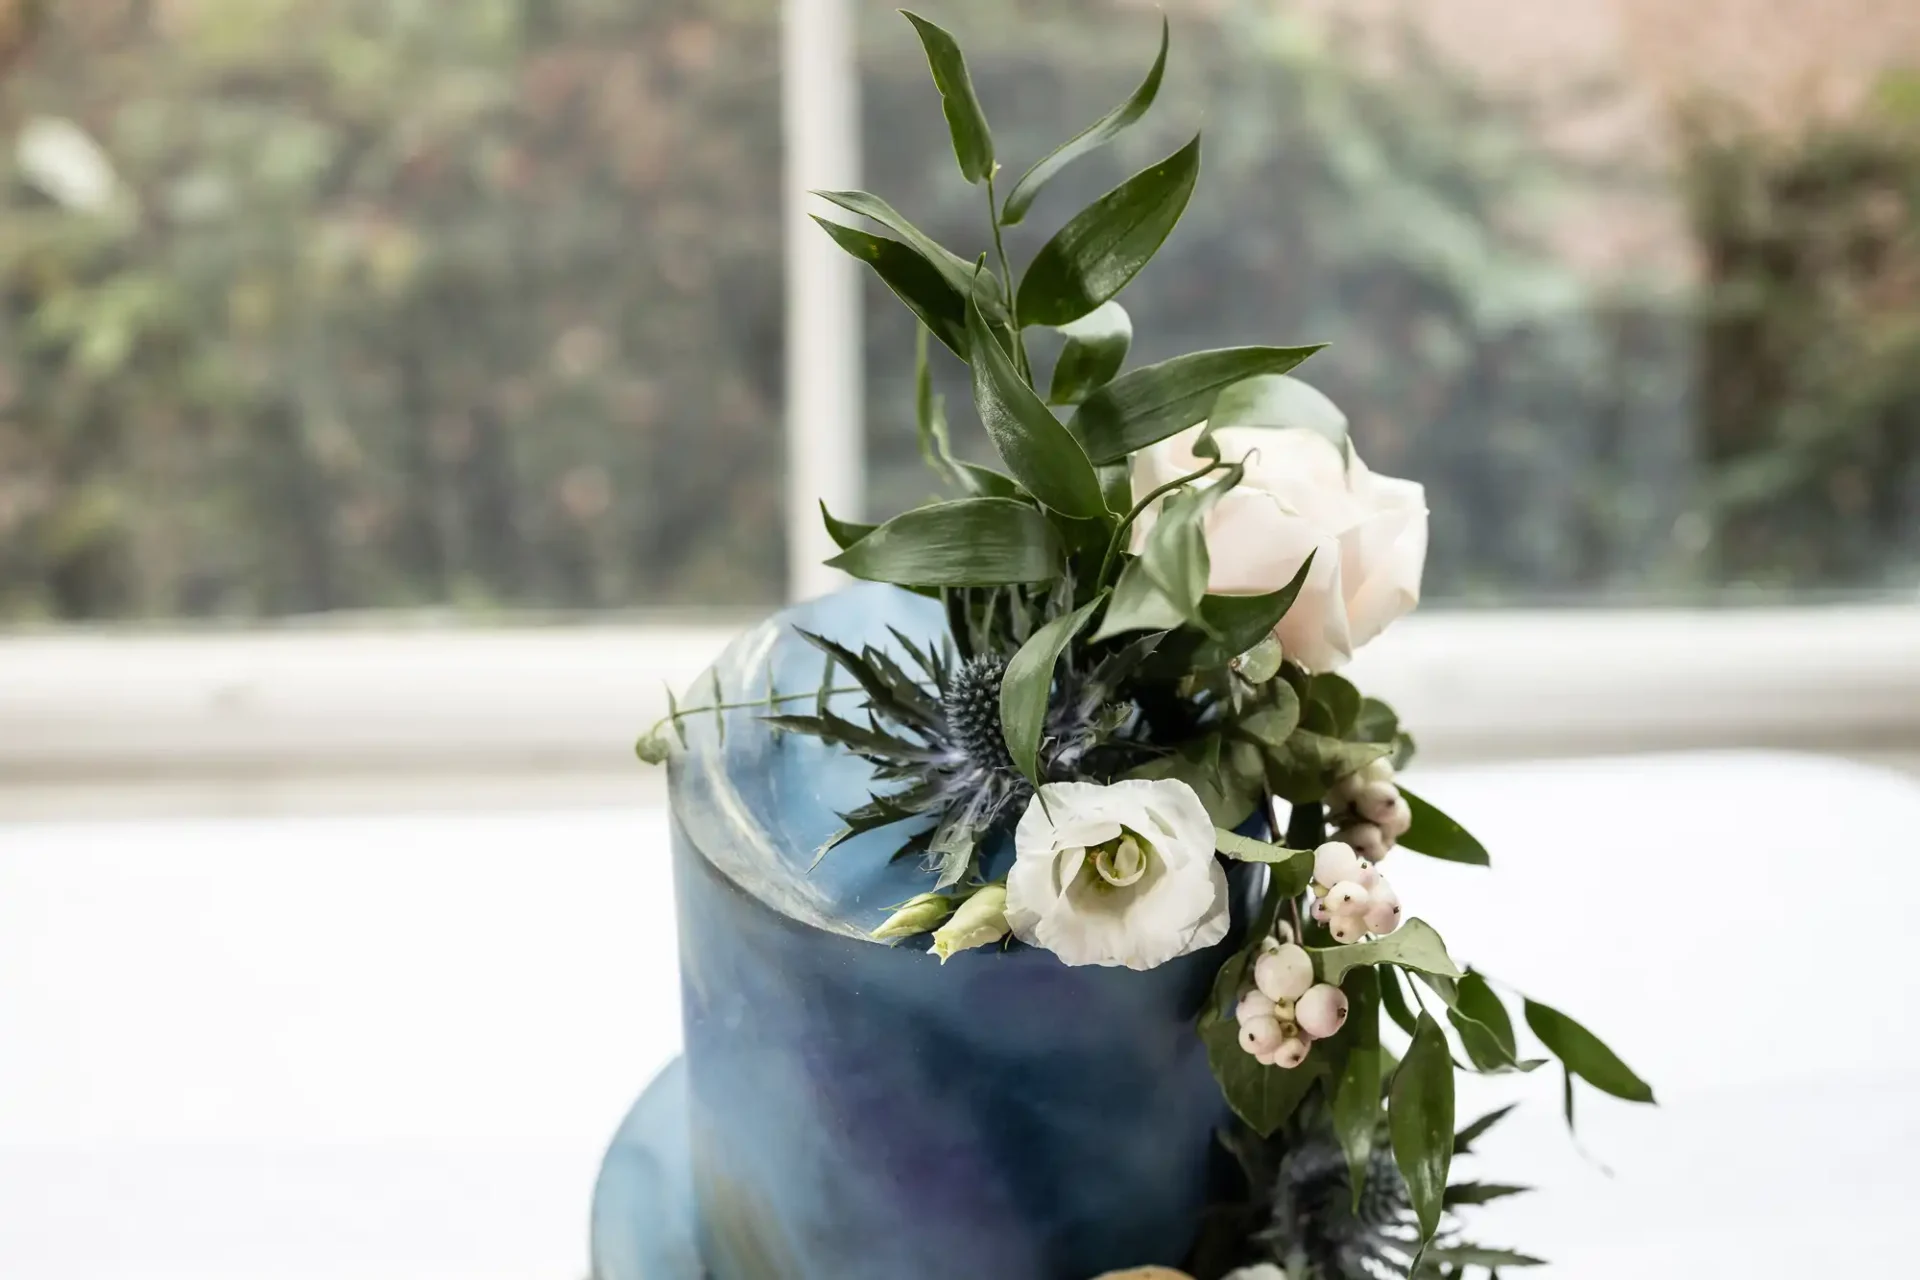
(760, 803)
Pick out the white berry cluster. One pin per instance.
(1353, 898)
(1285, 1010)
(1369, 811)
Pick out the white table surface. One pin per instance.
(392, 1048)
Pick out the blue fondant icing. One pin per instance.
(860, 1112)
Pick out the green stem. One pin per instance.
(771, 701)
(1006, 279)
(1139, 508)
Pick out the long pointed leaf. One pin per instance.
(1585, 1054)
(954, 269)
(1420, 1119)
(1028, 684)
(1096, 347)
(1105, 245)
(914, 280)
(970, 542)
(972, 141)
(1040, 452)
(1085, 143)
(1148, 405)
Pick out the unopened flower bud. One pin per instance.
(1260, 1035)
(1333, 862)
(1254, 1004)
(1347, 928)
(1291, 1052)
(1368, 840)
(653, 748)
(1347, 898)
(980, 921)
(1285, 974)
(923, 914)
(1322, 1010)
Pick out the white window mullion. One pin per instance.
(825, 437)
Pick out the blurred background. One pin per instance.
(395, 394)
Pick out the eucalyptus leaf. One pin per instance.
(1585, 1054)
(1376, 722)
(1278, 401)
(1414, 945)
(844, 532)
(1312, 762)
(1095, 136)
(1105, 245)
(1420, 1120)
(1291, 867)
(1261, 663)
(1356, 1091)
(1040, 452)
(1340, 699)
(1147, 405)
(1438, 836)
(969, 542)
(914, 280)
(1228, 798)
(972, 141)
(1273, 724)
(1096, 347)
(1028, 685)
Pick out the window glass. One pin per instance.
(361, 304)
(1630, 286)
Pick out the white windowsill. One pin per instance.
(105, 723)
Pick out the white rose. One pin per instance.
(1117, 875)
(1300, 497)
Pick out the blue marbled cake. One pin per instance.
(858, 1111)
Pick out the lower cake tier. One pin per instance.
(861, 1112)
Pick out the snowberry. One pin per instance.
(1285, 974)
(1369, 877)
(1333, 862)
(1260, 1035)
(1347, 928)
(1347, 898)
(1282, 933)
(1271, 944)
(1380, 770)
(1254, 1004)
(1291, 1053)
(1320, 911)
(1368, 840)
(1322, 1011)
(1383, 917)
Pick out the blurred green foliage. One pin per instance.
(405, 303)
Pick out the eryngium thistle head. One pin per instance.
(1312, 1219)
(972, 705)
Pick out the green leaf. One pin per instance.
(1464, 1141)
(1585, 1054)
(1105, 245)
(1392, 999)
(955, 270)
(1148, 405)
(1292, 869)
(936, 446)
(1241, 622)
(1473, 1255)
(972, 141)
(1096, 347)
(970, 542)
(1420, 1120)
(1313, 762)
(1097, 135)
(914, 280)
(844, 532)
(1438, 836)
(1414, 945)
(1273, 724)
(1175, 557)
(1376, 722)
(1469, 1193)
(1137, 605)
(1356, 1091)
(1485, 1027)
(1261, 663)
(1028, 685)
(1229, 797)
(1040, 452)
(1340, 701)
(1275, 400)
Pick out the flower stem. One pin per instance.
(1139, 508)
(1006, 279)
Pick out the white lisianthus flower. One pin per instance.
(1117, 875)
(1301, 497)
